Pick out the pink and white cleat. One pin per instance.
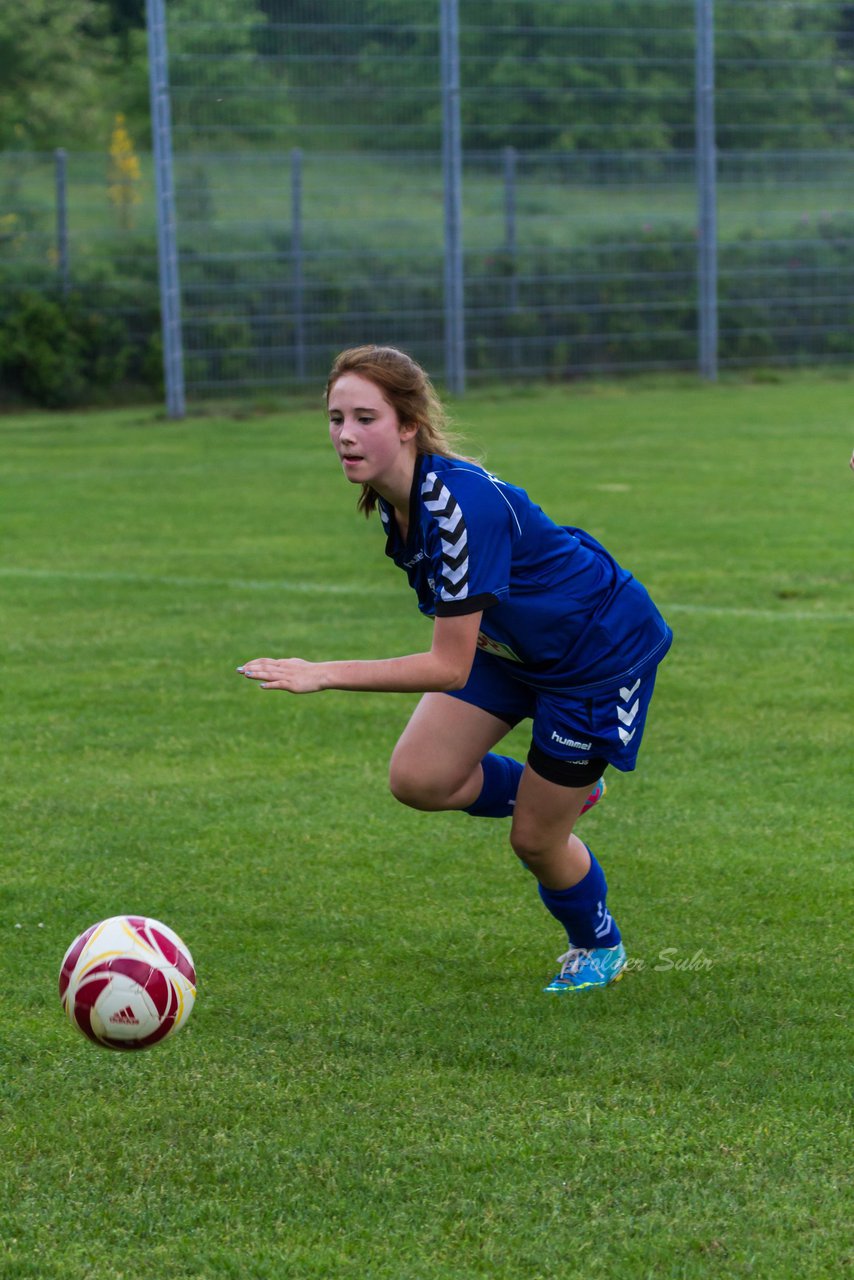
(595, 795)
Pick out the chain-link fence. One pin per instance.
(78, 238)
(311, 174)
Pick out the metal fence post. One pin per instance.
(510, 244)
(452, 171)
(61, 171)
(706, 164)
(297, 261)
(167, 240)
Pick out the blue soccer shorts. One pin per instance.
(574, 736)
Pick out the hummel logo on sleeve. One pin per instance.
(448, 514)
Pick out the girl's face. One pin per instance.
(373, 445)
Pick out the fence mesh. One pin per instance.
(307, 142)
(72, 234)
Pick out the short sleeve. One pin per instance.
(469, 540)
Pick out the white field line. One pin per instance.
(352, 589)
(161, 580)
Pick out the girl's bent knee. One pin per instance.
(410, 788)
(412, 782)
(522, 843)
(528, 844)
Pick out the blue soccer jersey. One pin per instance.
(557, 608)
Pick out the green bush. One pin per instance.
(40, 356)
(621, 299)
(57, 354)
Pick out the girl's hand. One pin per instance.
(291, 674)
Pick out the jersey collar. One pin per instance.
(394, 542)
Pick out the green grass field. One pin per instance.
(371, 1086)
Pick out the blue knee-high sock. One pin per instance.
(583, 911)
(497, 797)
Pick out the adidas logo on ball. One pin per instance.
(125, 1017)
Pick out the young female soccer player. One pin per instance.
(532, 620)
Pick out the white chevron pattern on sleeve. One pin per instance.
(448, 515)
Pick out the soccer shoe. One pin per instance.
(581, 969)
(595, 796)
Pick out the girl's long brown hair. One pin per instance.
(408, 390)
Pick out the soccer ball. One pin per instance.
(127, 982)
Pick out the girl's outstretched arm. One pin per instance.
(444, 667)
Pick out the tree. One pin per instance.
(124, 174)
(124, 18)
(779, 81)
(222, 88)
(52, 57)
(556, 75)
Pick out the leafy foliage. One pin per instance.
(47, 98)
(222, 89)
(622, 299)
(57, 354)
(547, 75)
